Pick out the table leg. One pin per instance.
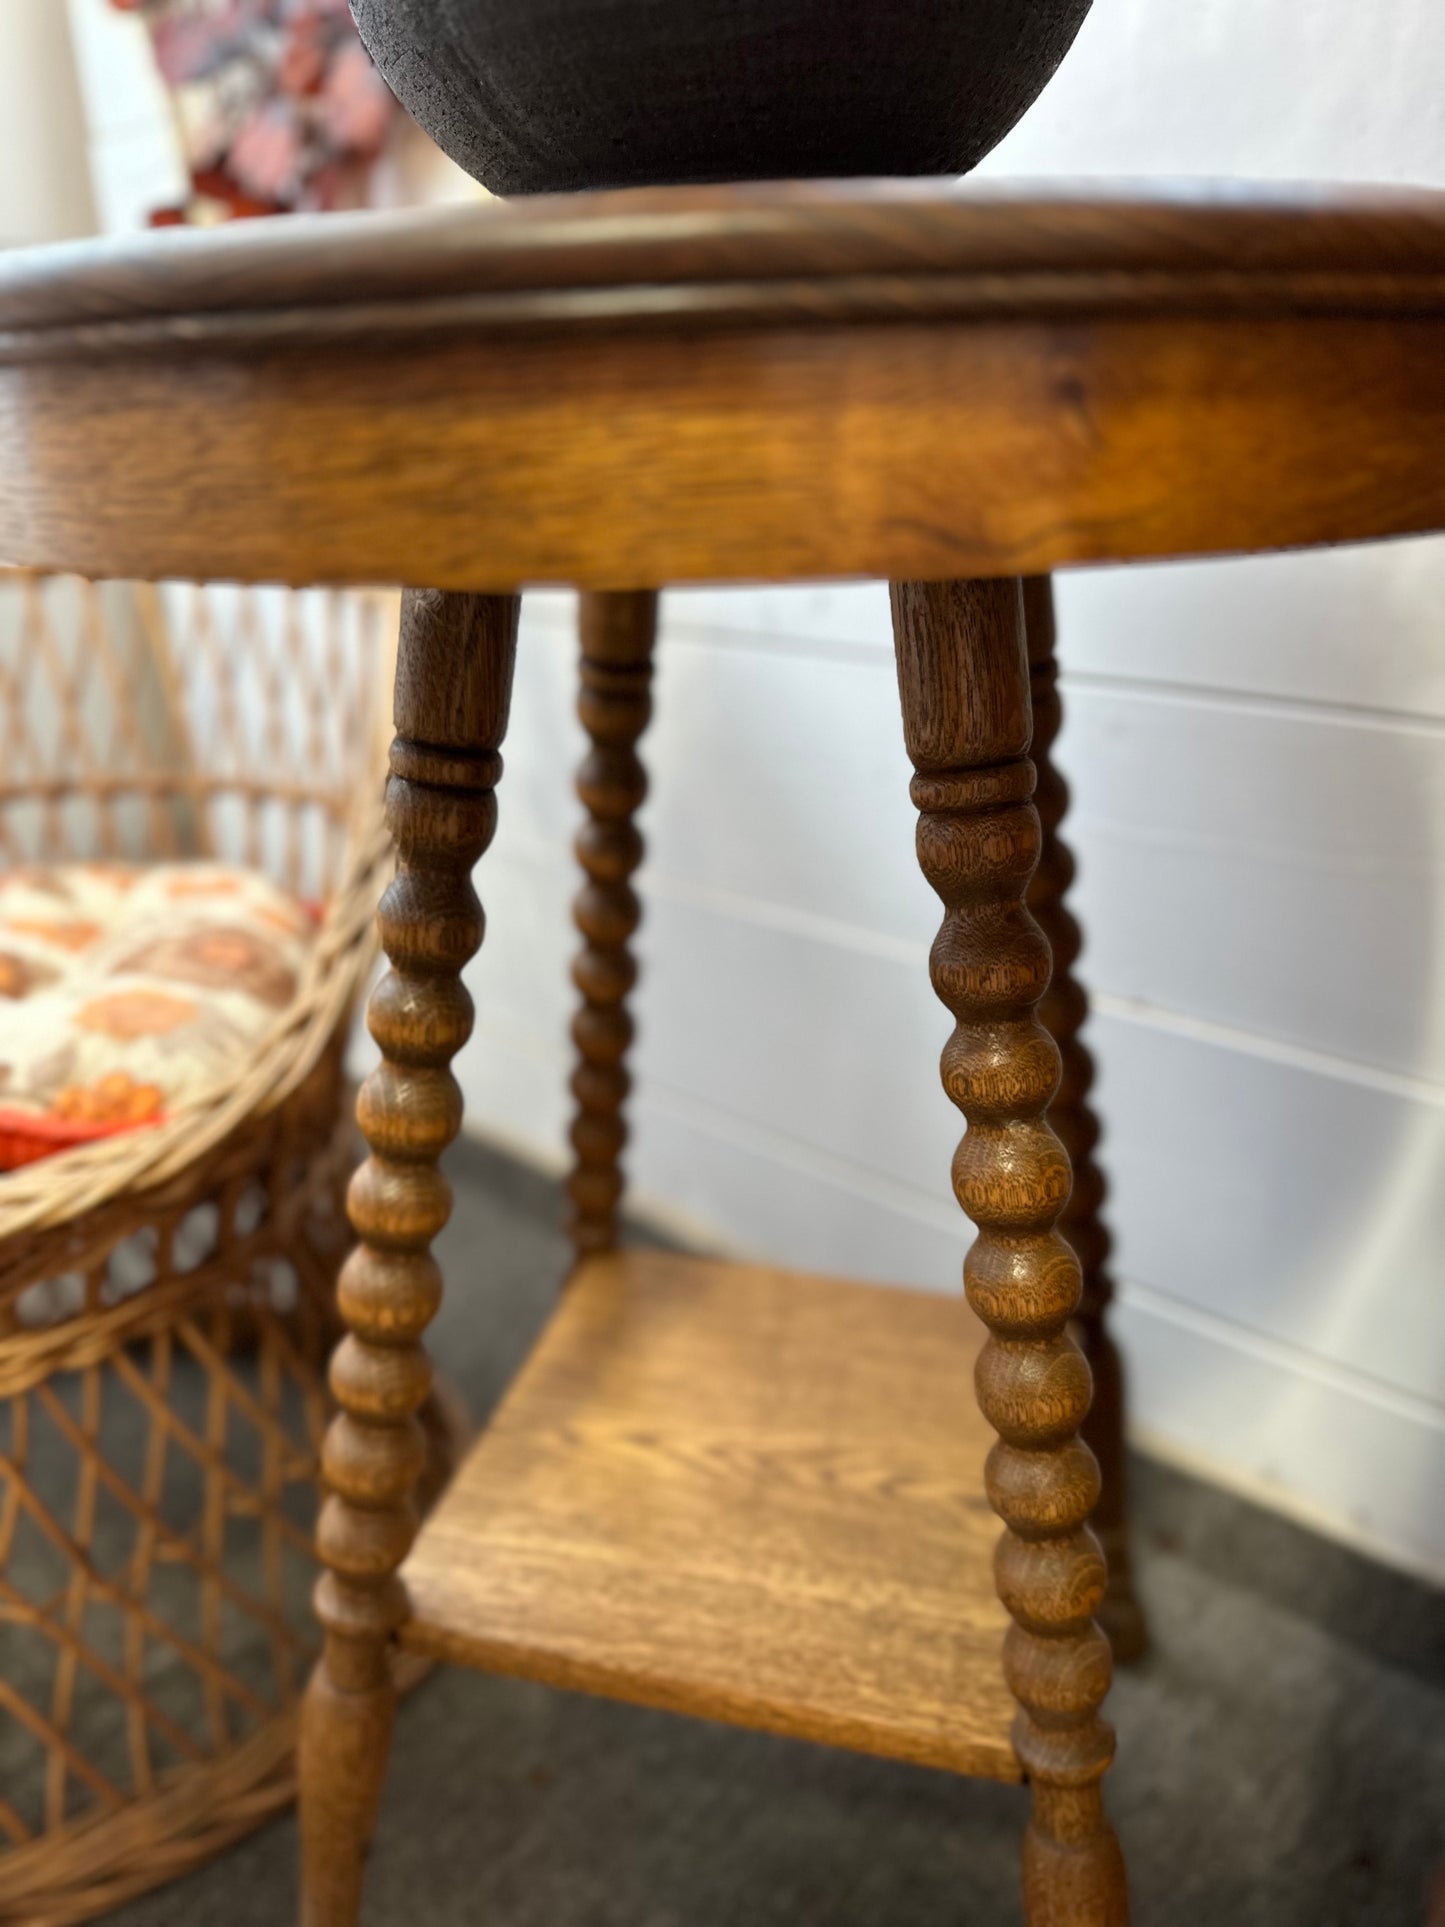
(615, 705)
(964, 678)
(453, 689)
(1064, 1009)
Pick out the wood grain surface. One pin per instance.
(453, 694)
(1064, 1010)
(741, 1494)
(984, 244)
(963, 675)
(614, 706)
(730, 385)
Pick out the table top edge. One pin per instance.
(690, 253)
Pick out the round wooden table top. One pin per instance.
(880, 379)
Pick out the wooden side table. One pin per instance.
(713, 1488)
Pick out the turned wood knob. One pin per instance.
(573, 94)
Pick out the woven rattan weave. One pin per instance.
(166, 1296)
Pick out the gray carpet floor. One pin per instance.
(1282, 1760)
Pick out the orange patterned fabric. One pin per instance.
(125, 992)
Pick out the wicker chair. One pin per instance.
(166, 1295)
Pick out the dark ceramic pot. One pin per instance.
(533, 96)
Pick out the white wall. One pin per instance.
(44, 185)
(1258, 755)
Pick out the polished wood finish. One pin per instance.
(453, 689)
(615, 707)
(1064, 1009)
(858, 249)
(964, 676)
(1030, 380)
(739, 1493)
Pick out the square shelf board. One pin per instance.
(742, 1494)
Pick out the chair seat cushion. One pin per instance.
(127, 992)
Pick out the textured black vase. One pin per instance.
(533, 96)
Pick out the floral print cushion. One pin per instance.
(127, 992)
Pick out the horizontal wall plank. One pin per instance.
(1330, 1453)
(835, 1047)
(1281, 874)
(773, 774)
(1298, 1206)
(1352, 627)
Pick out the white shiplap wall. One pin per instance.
(1258, 755)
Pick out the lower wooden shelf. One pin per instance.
(742, 1494)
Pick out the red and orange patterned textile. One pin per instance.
(127, 991)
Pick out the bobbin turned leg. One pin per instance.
(1064, 1009)
(963, 673)
(453, 687)
(615, 705)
